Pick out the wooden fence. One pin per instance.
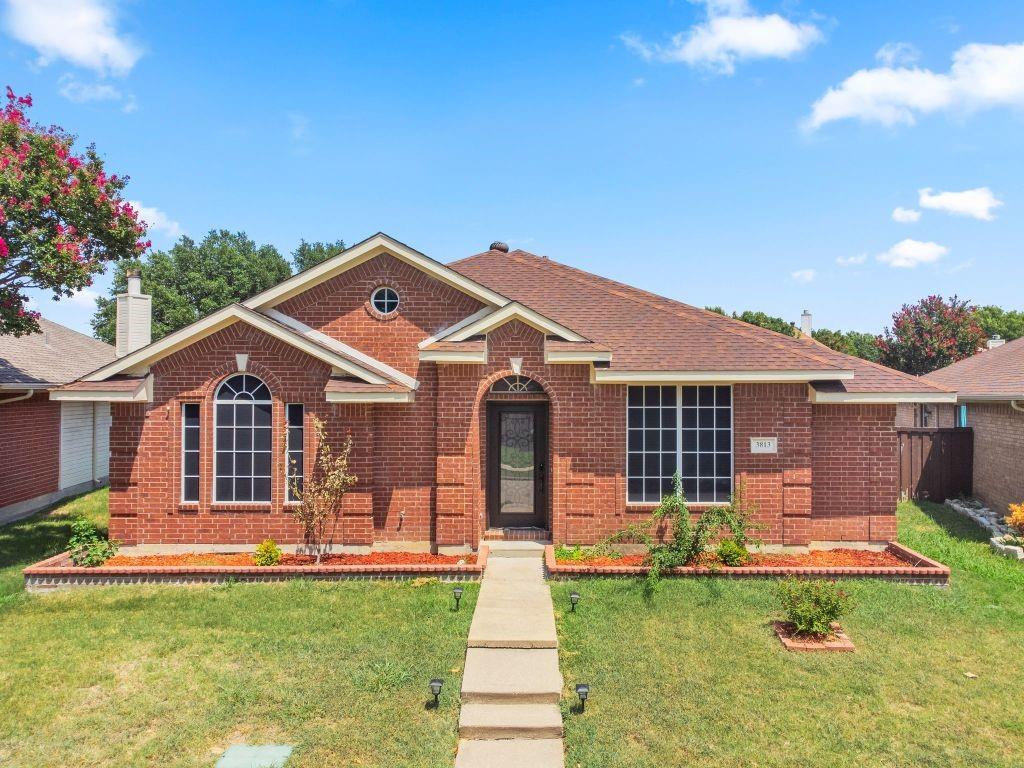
(936, 464)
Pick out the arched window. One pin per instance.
(516, 384)
(243, 441)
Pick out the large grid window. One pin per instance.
(242, 440)
(190, 452)
(679, 429)
(294, 415)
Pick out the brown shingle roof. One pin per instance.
(469, 345)
(54, 356)
(991, 373)
(647, 332)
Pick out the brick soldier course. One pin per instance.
(415, 389)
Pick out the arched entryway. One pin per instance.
(518, 464)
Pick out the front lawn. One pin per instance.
(171, 676)
(697, 678)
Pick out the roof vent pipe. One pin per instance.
(134, 317)
(996, 341)
(806, 324)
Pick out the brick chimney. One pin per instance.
(134, 317)
(995, 341)
(806, 324)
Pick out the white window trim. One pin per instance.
(679, 442)
(373, 300)
(213, 485)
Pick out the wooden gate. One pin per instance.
(936, 464)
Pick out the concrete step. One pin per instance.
(513, 614)
(511, 676)
(510, 721)
(515, 549)
(529, 569)
(510, 753)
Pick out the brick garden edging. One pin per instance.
(919, 570)
(57, 573)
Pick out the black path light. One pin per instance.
(583, 691)
(435, 688)
(457, 592)
(574, 597)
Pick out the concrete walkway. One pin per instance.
(511, 685)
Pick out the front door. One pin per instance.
(517, 455)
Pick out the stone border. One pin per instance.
(1006, 550)
(57, 573)
(980, 514)
(839, 644)
(919, 570)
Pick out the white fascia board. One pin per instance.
(604, 376)
(453, 356)
(514, 311)
(140, 360)
(370, 248)
(141, 394)
(326, 341)
(369, 397)
(988, 398)
(567, 357)
(481, 313)
(879, 398)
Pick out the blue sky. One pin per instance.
(722, 152)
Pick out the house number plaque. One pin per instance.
(764, 445)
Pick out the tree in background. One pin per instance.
(192, 280)
(310, 254)
(996, 321)
(862, 345)
(930, 335)
(62, 218)
(760, 319)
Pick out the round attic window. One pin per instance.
(385, 300)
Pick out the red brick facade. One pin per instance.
(998, 454)
(422, 465)
(33, 469)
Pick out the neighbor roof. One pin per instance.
(991, 374)
(649, 333)
(52, 357)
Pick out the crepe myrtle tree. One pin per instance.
(62, 217)
(930, 335)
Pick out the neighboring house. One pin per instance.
(52, 449)
(502, 395)
(990, 400)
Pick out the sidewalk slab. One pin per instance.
(517, 676)
(510, 721)
(510, 753)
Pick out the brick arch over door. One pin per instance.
(477, 448)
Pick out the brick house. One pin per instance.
(54, 449)
(501, 393)
(990, 400)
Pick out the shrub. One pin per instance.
(565, 552)
(1015, 520)
(267, 553)
(731, 553)
(88, 548)
(812, 606)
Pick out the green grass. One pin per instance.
(695, 676)
(171, 676)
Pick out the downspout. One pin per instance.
(16, 398)
(1015, 404)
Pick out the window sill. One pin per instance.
(241, 506)
(650, 506)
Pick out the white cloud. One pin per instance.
(977, 203)
(157, 221)
(73, 89)
(85, 298)
(803, 275)
(83, 32)
(850, 261)
(732, 32)
(905, 215)
(907, 254)
(981, 77)
(897, 54)
(961, 266)
(639, 82)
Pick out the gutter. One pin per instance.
(1015, 404)
(16, 398)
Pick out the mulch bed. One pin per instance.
(245, 559)
(819, 558)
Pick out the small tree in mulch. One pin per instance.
(321, 492)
